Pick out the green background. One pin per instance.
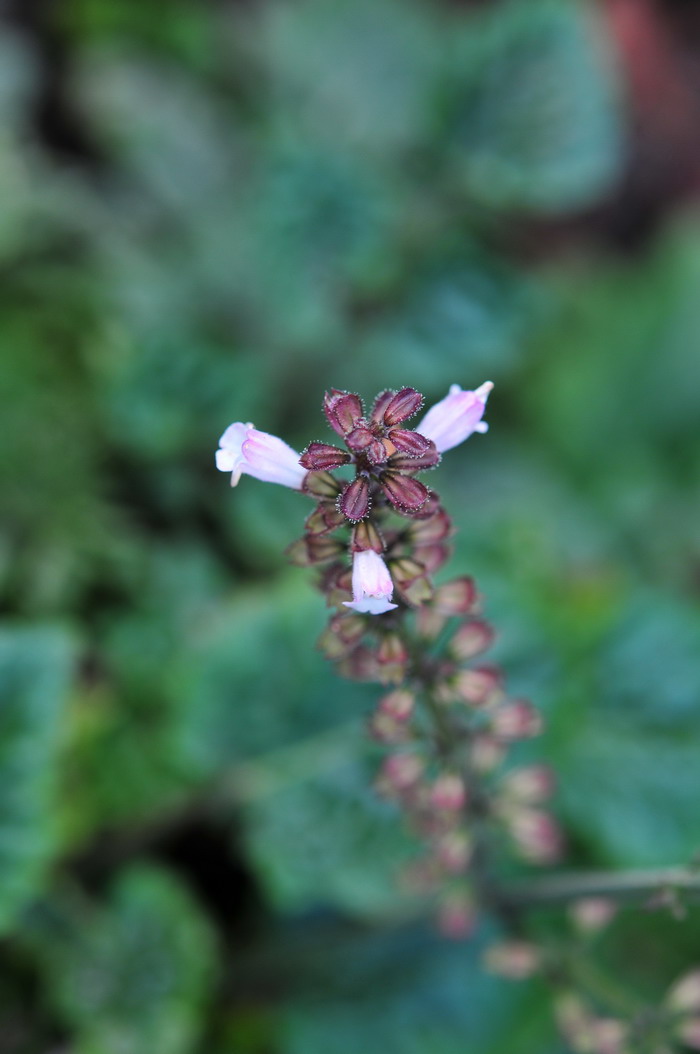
(212, 212)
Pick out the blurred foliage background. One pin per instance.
(213, 211)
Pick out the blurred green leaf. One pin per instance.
(35, 672)
(536, 122)
(133, 975)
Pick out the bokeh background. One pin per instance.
(213, 210)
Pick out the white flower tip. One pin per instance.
(370, 605)
(484, 390)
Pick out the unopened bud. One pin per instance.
(487, 752)
(392, 657)
(354, 502)
(457, 916)
(434, 528)
(432, 557)
(472, 638)
(366, 536)
(684, 995)
(399, 773)
(537, 835)
(404, 492)
(448, 792)
(591, 914)
(401, 406)
(398, 704)
(530, 785)
(343, 410)
(320, 456)
(321, 485)
(453, 851)
(478, 686)
(514, 960)
(323, 519)
(456, 597)
(516, 720)
(380, 405)
(313, 549)
(416, 462)
(411, 443)
(429, 622)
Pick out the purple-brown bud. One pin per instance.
(324, 518)
(401, 406)
(354, 502)
(343, 410)
(321, 485)
(432, 557)
(320, 456)
(517, 719)
(408, 442)
(430, 530)
(429, 458)
(457, 597)
(380, 405)
(404, 492)
(472, 638)
(313, 549)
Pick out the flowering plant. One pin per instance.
(377, 535)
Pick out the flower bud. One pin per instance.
(537, 835)
(321, 485)
(429, 622)
(471, 639)
(366, 536)
(684, 995)
(448, 792)
(380, 405)
(478, 686)
(514, 960)
(432, 557)
(411, 443)
(399, 774)
(313, 549)
(401, 406)
(404, 492)
(432, 529)
(486, 753)
(416, 462)
(323, 519)
(591, 914)
(386, 729)
(517, 719)
(343, 410)
(348, 628)
(354, 502)
(319, 456)
(360, 665)
(405, 570)
(529, 785)
(453, 852)
(398, 704)
(457, 916)
(392, 657)
(457, 597)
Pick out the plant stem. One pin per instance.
(631, 885)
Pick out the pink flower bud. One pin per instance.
(479, 686)
(456, 597)
(319, 456)
(372, 587)
(471, 639)
(456, 417)
(243, 450)
(448, 792)
(684, 995)
(530, 785)
(591, 914)
(399, 773)
(514, 960)
(399, 704)
(537, 835)
(516, 720)
(457, 916)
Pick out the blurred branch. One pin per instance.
(658, 885)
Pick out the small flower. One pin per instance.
(456, 417)
(372, 587)
(243, 450)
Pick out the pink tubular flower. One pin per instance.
(245, 450)
(456, 417)
(372, 586)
